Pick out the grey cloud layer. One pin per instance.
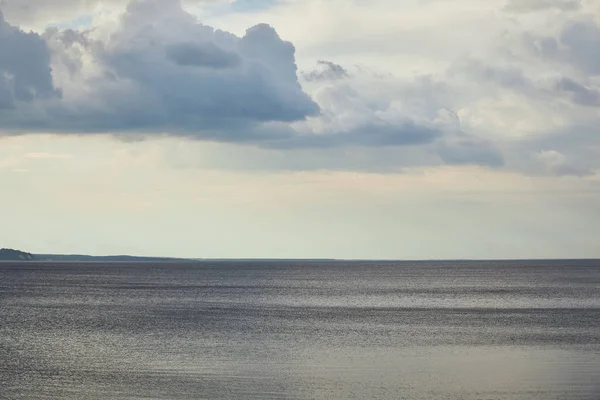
(162, 72)
(25, 67)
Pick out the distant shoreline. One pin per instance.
(11, 255)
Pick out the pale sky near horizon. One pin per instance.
(385, 129)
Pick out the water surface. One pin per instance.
(300, 330)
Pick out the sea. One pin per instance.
(300, 330)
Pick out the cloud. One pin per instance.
(582, 40)
(202, 55)
(543, 124)
(251, 78)
(505, 76)
(328, 71)
(383, 112)
(463, 149)
(576, 45)
(551, 86)
(160, 70)
(25, 72)
(568, 151)
(555, 162)
(525, 6)
(580, 94)
(373, 134)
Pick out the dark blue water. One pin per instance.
(301, 330)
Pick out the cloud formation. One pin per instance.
(160, 70)
(555, 162)
(24, 66)
(502, 99)
(576, 44)
(327, 71)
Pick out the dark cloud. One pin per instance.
(525, 6)
(202, 55)
(580, 94)
(506, 76)
(160, 71)
(515, 79)
(67, 48)
(366, 135)
(463, 149)
(582, 41)
(452, 148)
(572, 150)
(25, 72)
(327, 71)
(577, 45)
(260, 83)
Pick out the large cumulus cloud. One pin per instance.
(160, 70)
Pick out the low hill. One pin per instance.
(15, 255)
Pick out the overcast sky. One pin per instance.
(388, 129)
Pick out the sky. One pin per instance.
(356, 129)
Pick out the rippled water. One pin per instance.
(301, 330)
